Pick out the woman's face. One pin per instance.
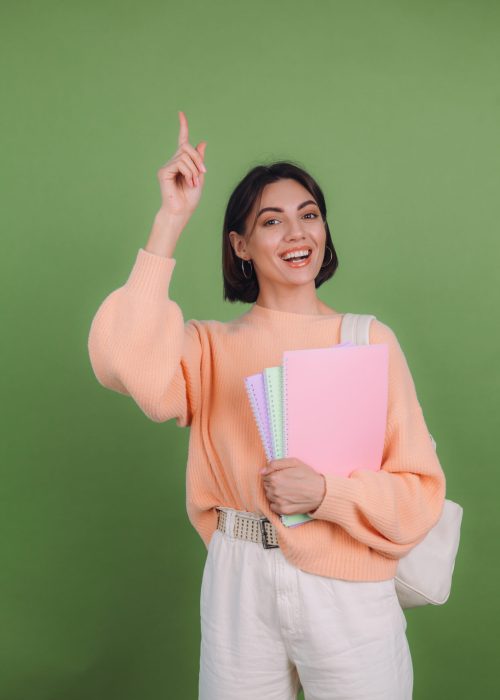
(298, 226)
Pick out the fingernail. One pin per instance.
(203, 168)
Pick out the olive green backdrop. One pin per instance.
(394, 108)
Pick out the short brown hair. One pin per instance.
(236, 286)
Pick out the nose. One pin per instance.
(295, 234)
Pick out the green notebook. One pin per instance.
(273, 384)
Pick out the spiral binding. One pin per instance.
(285, 407)
(255, 410)
(270, 402)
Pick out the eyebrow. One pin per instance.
(301, 206)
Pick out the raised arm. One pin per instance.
(139, 344)
(391, 510)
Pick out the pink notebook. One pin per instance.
(335, 406)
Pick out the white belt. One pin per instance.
(247, 526)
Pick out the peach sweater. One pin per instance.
(139, 345)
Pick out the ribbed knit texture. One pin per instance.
(140, 345)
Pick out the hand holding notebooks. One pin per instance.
(324, 406)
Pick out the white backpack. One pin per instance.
(424, 574)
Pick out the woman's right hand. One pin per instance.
(182, 177)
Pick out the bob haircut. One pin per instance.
(236, 286)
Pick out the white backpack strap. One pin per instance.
(355, 328)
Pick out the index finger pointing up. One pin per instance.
(183, 130)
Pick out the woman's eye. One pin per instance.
(311, 213)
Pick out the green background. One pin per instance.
(394, 108)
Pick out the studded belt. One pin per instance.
(247, 526)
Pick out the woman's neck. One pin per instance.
(317, 308)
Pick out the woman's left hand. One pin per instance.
(292, 486)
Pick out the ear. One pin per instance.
(238, 243)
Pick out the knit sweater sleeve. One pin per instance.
(391, 510)
(140, 346)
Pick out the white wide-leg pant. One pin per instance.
(268, 628)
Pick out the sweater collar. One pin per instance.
(263, 313)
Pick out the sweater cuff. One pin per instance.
(338, 499)
(151, 274)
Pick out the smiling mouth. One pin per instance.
(298, 259)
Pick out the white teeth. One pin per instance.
(296, 254)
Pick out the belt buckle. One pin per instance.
(265, 543)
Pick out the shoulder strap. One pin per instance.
(355, 328)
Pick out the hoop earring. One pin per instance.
(243, 268)
(331, 258)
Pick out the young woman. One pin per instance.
(281, 607)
